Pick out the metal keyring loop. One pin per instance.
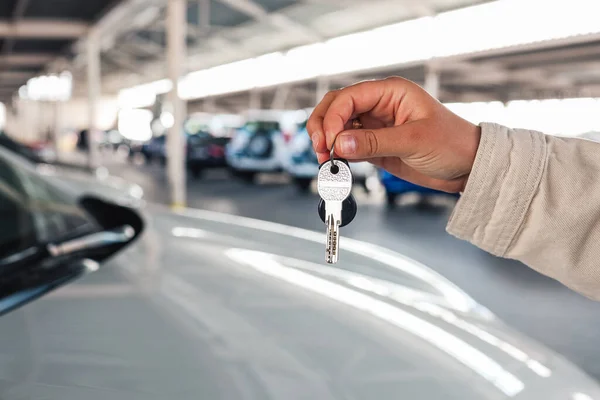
(331, 152)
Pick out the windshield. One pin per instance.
(33, 211)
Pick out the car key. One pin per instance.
(334, 184)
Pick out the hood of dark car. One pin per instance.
(213, 306)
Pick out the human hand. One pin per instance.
(405, 131)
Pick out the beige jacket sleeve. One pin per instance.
(535, 198)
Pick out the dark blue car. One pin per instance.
(395, 186)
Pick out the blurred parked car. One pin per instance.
(395, 187)
(301, 163)
(37, 152)
(112, 140)
(44, 150)
(257, 147)
(204, 151)
(224, 307)
(103, 139)
(19, 148)
(155, 150)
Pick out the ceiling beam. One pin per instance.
(493, 73)
(42, 29)
(204, 16)
(549, 56)
(256, 11)
(17, 14)
(16, 76)
(11, 87)
(22, 60)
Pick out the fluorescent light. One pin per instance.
(48, 88)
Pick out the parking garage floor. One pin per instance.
(537, 306)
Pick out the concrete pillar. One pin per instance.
(323, 85)
(432, 82)
(93, 86)
(42, 127)
(204, 16)
(281, 95)
(176, 56)
(209, 105)
(56, 126)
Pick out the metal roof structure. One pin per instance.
(34, 33)
(223, 31)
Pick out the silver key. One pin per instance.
(334, 186)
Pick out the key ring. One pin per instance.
(331, 160)
(356, 124)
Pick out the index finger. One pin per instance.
(350, 102)
(314, 126)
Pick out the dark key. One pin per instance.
(349, 209)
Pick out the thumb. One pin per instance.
(398, 141)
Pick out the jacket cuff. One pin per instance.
(505, 176)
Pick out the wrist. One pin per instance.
(472, 139)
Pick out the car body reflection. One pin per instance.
(217, 306)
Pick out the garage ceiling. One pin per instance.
(222, 31)
(35, 32)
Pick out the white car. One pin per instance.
(257, 147)
(301, 163)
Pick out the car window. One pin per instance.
(17, 230)
(199, 137)
(34, 211)
(262, 126)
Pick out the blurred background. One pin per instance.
(203, 104)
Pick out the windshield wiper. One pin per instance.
(119, 235)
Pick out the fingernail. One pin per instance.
(347, 144)
(315, 139)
